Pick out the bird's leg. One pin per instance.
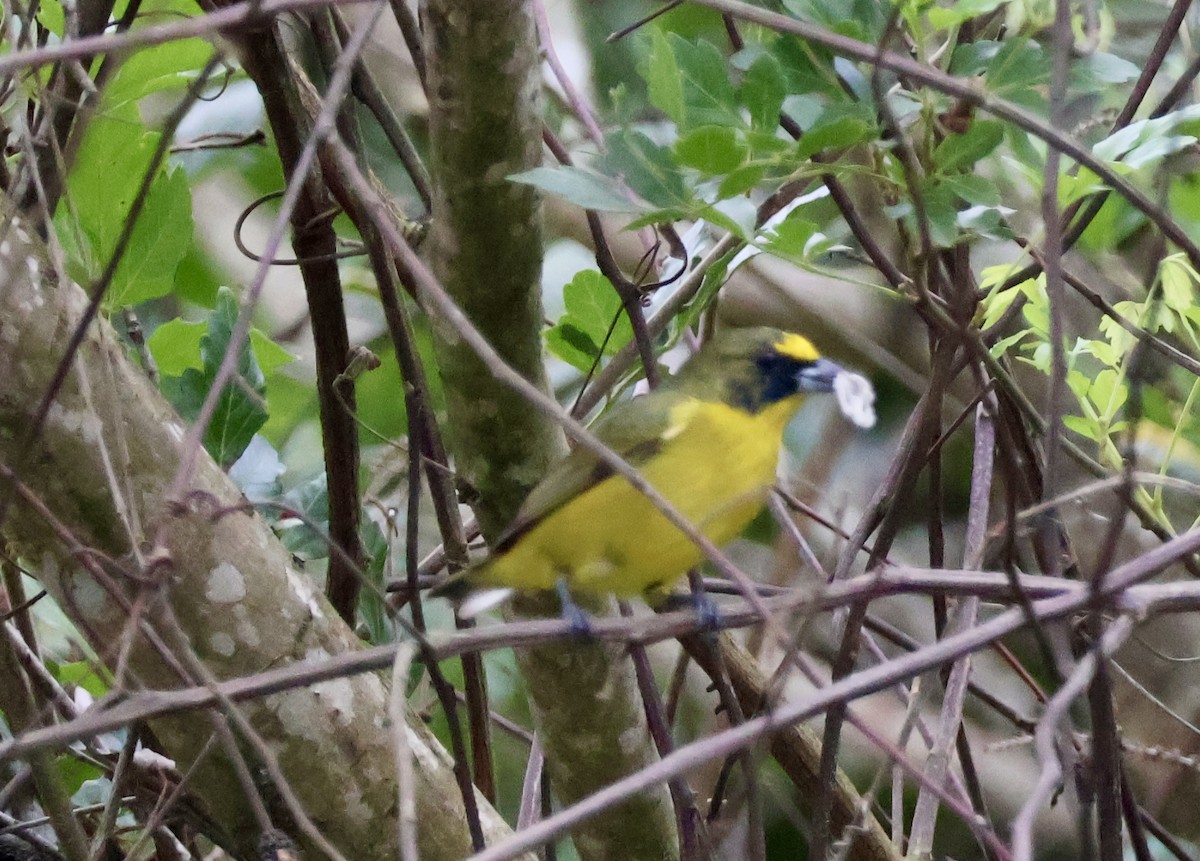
(578, 621)
(708, 614)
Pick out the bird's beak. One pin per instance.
(818, 377)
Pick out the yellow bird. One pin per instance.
(708, 440)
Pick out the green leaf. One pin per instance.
(592, 303)
(114, 156)
(241, 407)
(270, 355)
(592, 309)
(834, 130)
(767, 145)
(960, 151)
(170, 66)
(160, 240)
(942, 216)
(112, 159)
(726, 217)
(1108, 392)
(790, 238)
(976, 190)
(572, 346)
(973, 58)
(175, 346)
(79, 674)
(763, 91)
(580, 187)
(963, 10)
(707, 93)
(808, 70)
(859, 19)
(75, 772)
(1086, 428)
(1178, 282)
(371, 606)
(294, 402)
(52, 16)
(741, 180)
(714, 150)
(1018, 72)
(1100, 69)
(664, 82)
(647, 167)
(1079, 383)
(986, 221)
(310, 499)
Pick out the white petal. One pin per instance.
(856, 398)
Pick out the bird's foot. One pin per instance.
(708, 614)
(578, 621)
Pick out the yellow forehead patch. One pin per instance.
(796, 347)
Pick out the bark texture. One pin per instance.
(100, 471)
(484, 79)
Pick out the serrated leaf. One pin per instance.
(741, 180)
(838, 133)
(175, 346)
(1017, 72)
(571, 345)
(172, 65)
(580, 187)
(112, 159)
(1086, 428)
(310, 499)
(713, 150)
(1178, 280)
(763, 91)
(942, 217)
(591, 304)
(1108, 392)
(859, 19)
(270, 355)
(1099, 69)
(593, 321)
(114, 156)
(963, 10)
(159, 242)
(647, 168)
(973, 189)
(960, 151)
(707, 92)
(241, 406)
(664, 82)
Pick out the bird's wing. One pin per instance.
(636, 430)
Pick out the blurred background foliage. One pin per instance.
(690, 136)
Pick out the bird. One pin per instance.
(707, 439)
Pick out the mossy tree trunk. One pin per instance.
(484, 80)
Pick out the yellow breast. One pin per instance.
(716, 466)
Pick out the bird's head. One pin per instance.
(754, 368)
